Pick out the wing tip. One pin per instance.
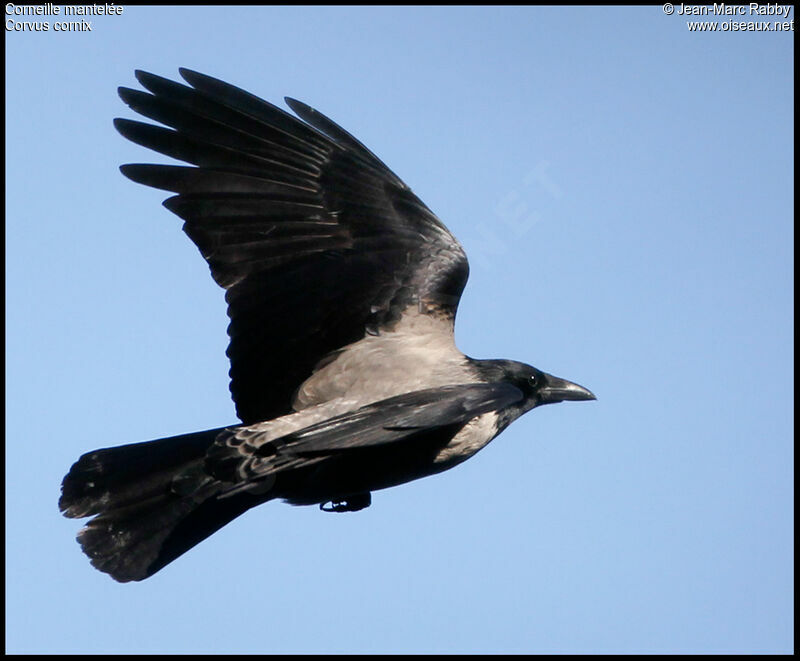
(122, 124)
(188, 74)
(297, 106)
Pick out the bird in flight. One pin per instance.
(342, 289)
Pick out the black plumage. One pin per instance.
(342, 289)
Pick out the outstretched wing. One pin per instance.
(243, 456)
(315, 240)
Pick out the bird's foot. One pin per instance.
(349, 504)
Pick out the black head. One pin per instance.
(538, 387)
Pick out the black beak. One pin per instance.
(560, 390)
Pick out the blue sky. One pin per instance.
(624, 189)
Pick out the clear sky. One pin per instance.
(624, 189)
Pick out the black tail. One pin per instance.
(153, 501)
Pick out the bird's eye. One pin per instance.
(533, 380)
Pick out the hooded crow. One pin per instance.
(342, 289)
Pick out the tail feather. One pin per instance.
(153, 501)
(116, 477)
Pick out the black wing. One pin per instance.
(315, 240)
(244, 456)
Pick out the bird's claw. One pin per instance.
(349, 504)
